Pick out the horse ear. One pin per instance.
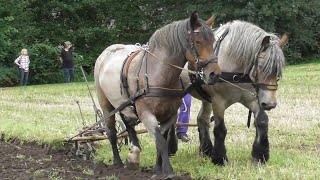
(211, 21)
(194, 21)
(284, 39)
(265, 43)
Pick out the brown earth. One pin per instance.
(32, 161)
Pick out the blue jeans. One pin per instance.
(23, 77)
(184, 114)
(68, 74)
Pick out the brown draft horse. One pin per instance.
(150, 81)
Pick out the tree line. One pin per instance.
(92, 25)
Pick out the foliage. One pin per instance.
(9, 76)
(92, 25)
(44, 64)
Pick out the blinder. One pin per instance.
(269, 87)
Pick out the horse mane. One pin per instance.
(245, 44)
(174, 37)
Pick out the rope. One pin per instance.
(238, 87)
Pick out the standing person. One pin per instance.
(67, 62)
(23, 62)
(184, 117)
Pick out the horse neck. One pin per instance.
(225, 63)
(161, 74)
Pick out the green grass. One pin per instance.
(49, 114)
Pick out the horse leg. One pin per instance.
(260, 147)
(110, 126)
(219, 155)
(172, 140)
(203, 121)
(163, 165)
(135, 149)
(112, 136)
(170, 136)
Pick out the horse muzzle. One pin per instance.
(268, 106)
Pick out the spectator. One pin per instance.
(67, 62)
(23, 62)
(184, 117)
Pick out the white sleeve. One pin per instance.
(17, 60)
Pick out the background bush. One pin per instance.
(42, 26)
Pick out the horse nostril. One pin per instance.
(269, 106)
(263, 105)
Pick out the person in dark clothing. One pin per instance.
(67, 62)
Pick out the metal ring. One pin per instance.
(236, 78)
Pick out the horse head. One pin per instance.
(201, 54)
(267, 70)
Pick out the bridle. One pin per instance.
(200, 65)
(260, 86)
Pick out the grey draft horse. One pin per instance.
(150, 82)
(253, 60)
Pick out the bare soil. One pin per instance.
(29, 160)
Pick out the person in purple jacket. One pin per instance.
(184, 117)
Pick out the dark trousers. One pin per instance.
(68, 74)
(23, 77)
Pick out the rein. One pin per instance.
(146, 48)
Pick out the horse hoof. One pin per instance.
(220, 161)
(260, 160)
(154, 176)
(170, 176)
(172, 151)
(118, 164)
(134, 155)
(260, 156)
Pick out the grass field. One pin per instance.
(49, 113)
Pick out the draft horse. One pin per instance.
(147, 87)
(253, 60)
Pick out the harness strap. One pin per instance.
(218, 42)
(270, 87)
(124, 82)
(249, 118)
(159, 91)
(130, 58)
(196, 82)
(124, 71)
(235, 77)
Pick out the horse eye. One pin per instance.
(198, 42)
